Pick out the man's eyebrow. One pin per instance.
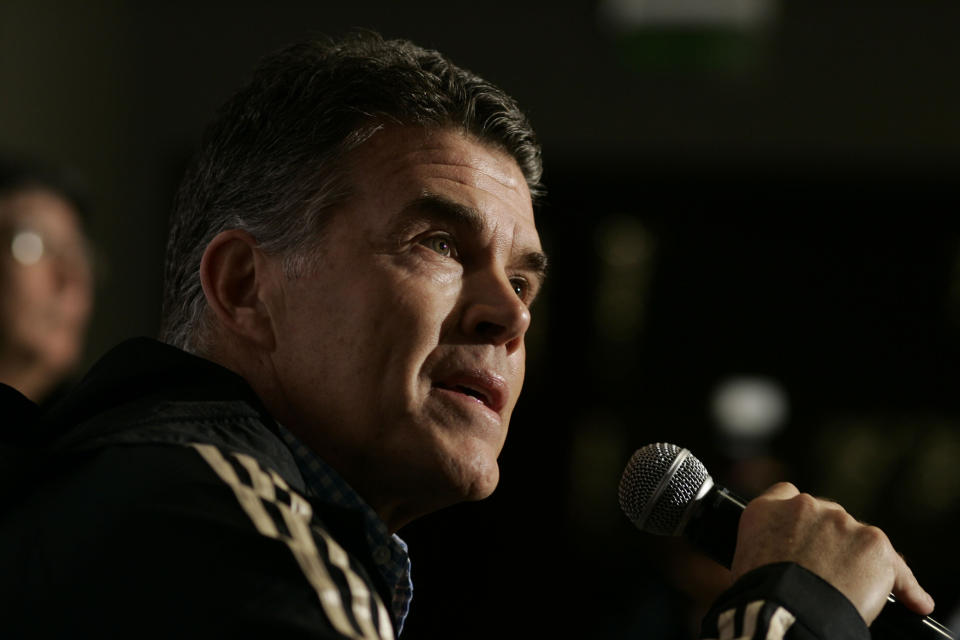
(536, 261)
(444, 209)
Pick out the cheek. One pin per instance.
(31, 297)
(385, 322)
(518, 367)
(517, 374)
(425, 305)
(27, 282)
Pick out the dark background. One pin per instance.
(775, 200)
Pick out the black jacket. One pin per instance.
(157, 500)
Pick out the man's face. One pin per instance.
(401, 356)
(45, 281)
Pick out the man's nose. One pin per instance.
(494, 313)
(72, 269)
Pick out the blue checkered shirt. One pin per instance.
(389, 552)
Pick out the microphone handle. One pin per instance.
(713, 524)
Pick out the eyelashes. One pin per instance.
(521, 287)
(442, 244)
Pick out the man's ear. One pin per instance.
(235, 274)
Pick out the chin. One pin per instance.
(479, 478)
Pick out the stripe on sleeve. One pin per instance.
(750, 615)
(296, 517)
(780, 622)
(725, 623)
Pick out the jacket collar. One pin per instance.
(139, 368)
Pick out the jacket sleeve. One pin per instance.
(783, 602)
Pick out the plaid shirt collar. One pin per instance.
(389, 552)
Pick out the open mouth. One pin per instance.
(480, 385)
(467, 391)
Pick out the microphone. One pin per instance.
(666, 491)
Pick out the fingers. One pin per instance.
(779, 491)
(788, 491)
(785, 525)
(908, 591)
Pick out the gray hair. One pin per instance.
(271, 162)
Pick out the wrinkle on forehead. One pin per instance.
(446, 148)
(488, 167)
(400, 165)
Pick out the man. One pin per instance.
(352, 257)
(46, 289)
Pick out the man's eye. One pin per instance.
(441, 244)
(521, 287)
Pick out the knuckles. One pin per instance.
(873, 540)
(783, 488)
(804, 503)
(797, 512)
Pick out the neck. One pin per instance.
(31, 378)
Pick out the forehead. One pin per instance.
(39, 208)
(399, 165)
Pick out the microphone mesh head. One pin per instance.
(658, 485)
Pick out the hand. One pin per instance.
(784, 525)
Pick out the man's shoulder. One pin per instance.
(166, 498)
(214, 533)
(158, 420)
(144, 393)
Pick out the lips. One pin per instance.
(487, 388)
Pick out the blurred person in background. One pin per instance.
(46, 291)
